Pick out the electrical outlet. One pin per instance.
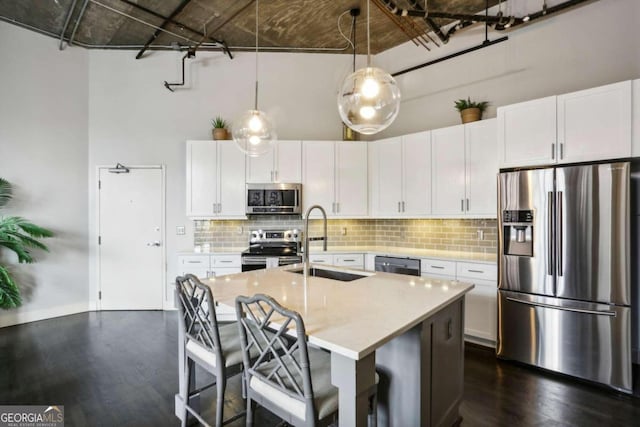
(343, 231)
(180, 230)
(480, 234)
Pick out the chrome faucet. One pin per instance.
(307, 239)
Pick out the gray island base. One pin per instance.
(409, 329)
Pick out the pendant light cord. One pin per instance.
(256, 103)
(368, 36)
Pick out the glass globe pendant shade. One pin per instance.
(254, 133)
(369, 100)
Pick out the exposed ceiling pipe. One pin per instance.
(66, 23)
(191, 53)
(155, 35)
(444, 38)
(179, 24)
(75, 27)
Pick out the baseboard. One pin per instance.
(480, 341)
(19, 316)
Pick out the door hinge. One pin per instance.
(99, 240)
(99, 294)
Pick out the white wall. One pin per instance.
(43, 152)
(590, 45)
(134, 119)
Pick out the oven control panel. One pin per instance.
(273, 236)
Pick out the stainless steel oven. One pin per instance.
(272, 248)
(274, 199)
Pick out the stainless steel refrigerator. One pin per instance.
(564, 273)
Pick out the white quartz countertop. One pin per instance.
(350, 318)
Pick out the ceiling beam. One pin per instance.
(166, 21)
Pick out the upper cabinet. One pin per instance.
(400, 176)
(592, 124)
(282, 164)
(215, 180)
(464, 169)
(335, 177)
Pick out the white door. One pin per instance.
(527, 133)
(595, 124)
(351, 179)
(202, 180)
(448, 172)
(387, 177)
(231, 181)
(131, 239)
(288, 165)
(482, 167)
(318, 176)
(416, 158)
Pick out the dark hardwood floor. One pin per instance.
(120, 369)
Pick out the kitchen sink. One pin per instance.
(330, 274)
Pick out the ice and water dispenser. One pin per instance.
(518, 232)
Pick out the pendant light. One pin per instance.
(369, 99)
(254, 131)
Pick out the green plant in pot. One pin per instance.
(470, 111)
(219, 128)
(19, 236)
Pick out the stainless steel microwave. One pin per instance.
(274, 199)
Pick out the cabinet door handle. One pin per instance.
(561, 150)
(337, 207)
(349, 260)
(462, 205)
(467, 205)
(194, 262)
(276, 174)
(271, 176)
(476, 271)
(439, 267)
(399, 206)
(553, 151)
(225, 261)
(403, 206)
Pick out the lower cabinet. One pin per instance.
(481, 304)
(355, 260)
(207, 266)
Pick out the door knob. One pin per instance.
(156, 243)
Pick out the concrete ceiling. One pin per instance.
(287, 25)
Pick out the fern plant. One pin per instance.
(19, 236)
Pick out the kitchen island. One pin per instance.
(408, 328)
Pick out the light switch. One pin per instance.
(180, 230)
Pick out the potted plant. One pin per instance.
(470, 111)
(20, 236)
(219, 128)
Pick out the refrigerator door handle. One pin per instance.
(557, 307)
(559, 227)
(549, 233)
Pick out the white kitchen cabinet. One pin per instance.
(370, 262)
(430, 267)
(326, 259)
(464, 169)
(349, 260)
(635, 125)
(447, 169)
(215, 180)
(212, 266)
(481, 168)
(401, 176)
(595, 124)
(481, 303)
(335, 177)
(282, 164)
(527, 133)
(587, 125)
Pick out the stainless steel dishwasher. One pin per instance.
(398, 265)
